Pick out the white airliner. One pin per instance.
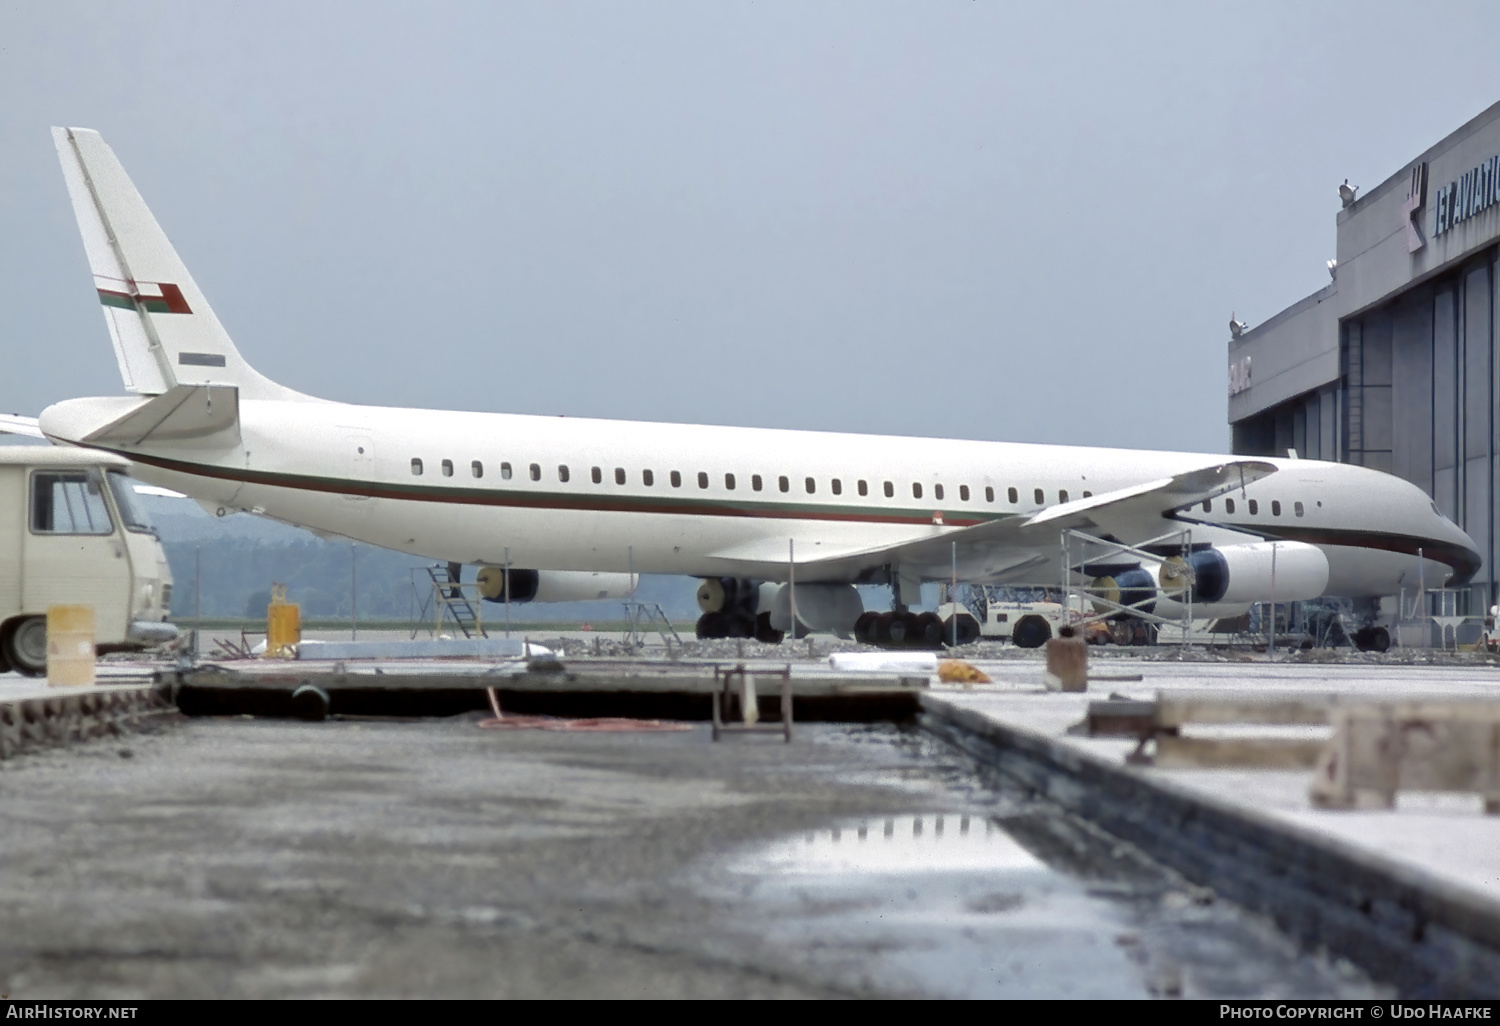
(742, 508)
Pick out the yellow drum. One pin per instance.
(70, 645)
(283, 625)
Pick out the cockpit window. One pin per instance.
(130, 507)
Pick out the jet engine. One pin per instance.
(1220, 581)
(822, 607)
(550, 585)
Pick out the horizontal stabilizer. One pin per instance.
(15, 424)
(197, 416)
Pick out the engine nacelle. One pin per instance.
(738, 594)
(822, 607)
(1225, 581)
(551, 585)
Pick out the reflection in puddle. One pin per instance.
(936, 842)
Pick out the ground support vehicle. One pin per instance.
(72, 533)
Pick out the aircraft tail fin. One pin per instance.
(164, 332)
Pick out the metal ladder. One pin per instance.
(447, 591)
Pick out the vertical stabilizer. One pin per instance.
(164, 331)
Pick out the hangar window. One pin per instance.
(812, 486)
(1062, 495)
(1229, 506)
(729, 481)
(1013, 495)
(1254, 507)
(890, 490)
(963, 493)
(837, 486)
(783, 483)
(1297, 508)
(916, 490)
(597, 475)
(1275, 507)
(477, 468)
(1039, 496)
(536, 471)
(937, 492)
(702, 479)
(989, 493)
(755, 482)
(676, 479)
(447, 468)
(416, 466)
(562, 473)
(863, 488)
(647, 478)
(504, 471)
(619, 475)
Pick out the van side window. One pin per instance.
(416, 466)
(68, 502)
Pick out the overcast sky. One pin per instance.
(1017, 221)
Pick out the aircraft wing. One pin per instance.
(15, 424)
(1020, 545)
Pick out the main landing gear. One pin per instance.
(731, 609)
(906, 629)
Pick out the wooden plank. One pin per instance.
(1177, 752)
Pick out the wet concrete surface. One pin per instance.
(258, 858)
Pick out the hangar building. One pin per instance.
(1394, 365)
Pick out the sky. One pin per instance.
(1011, 221)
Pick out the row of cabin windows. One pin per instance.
(1254, 506)
(783, 483)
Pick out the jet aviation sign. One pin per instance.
(1475, 190)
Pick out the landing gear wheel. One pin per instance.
(26, 648)
(965, 632)
(1380, 639)
(927, 631)
(1031, 632)
(712, 625)
(895, 628)
(765, 632)
(864, 628)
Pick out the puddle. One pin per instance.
(937, 842)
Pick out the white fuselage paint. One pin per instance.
(301, 462)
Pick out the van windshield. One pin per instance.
(129, 505)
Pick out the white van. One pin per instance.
(72, 532)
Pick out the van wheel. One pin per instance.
(26, 648)
(1031, 632)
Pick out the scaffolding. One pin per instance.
(1080, 549)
